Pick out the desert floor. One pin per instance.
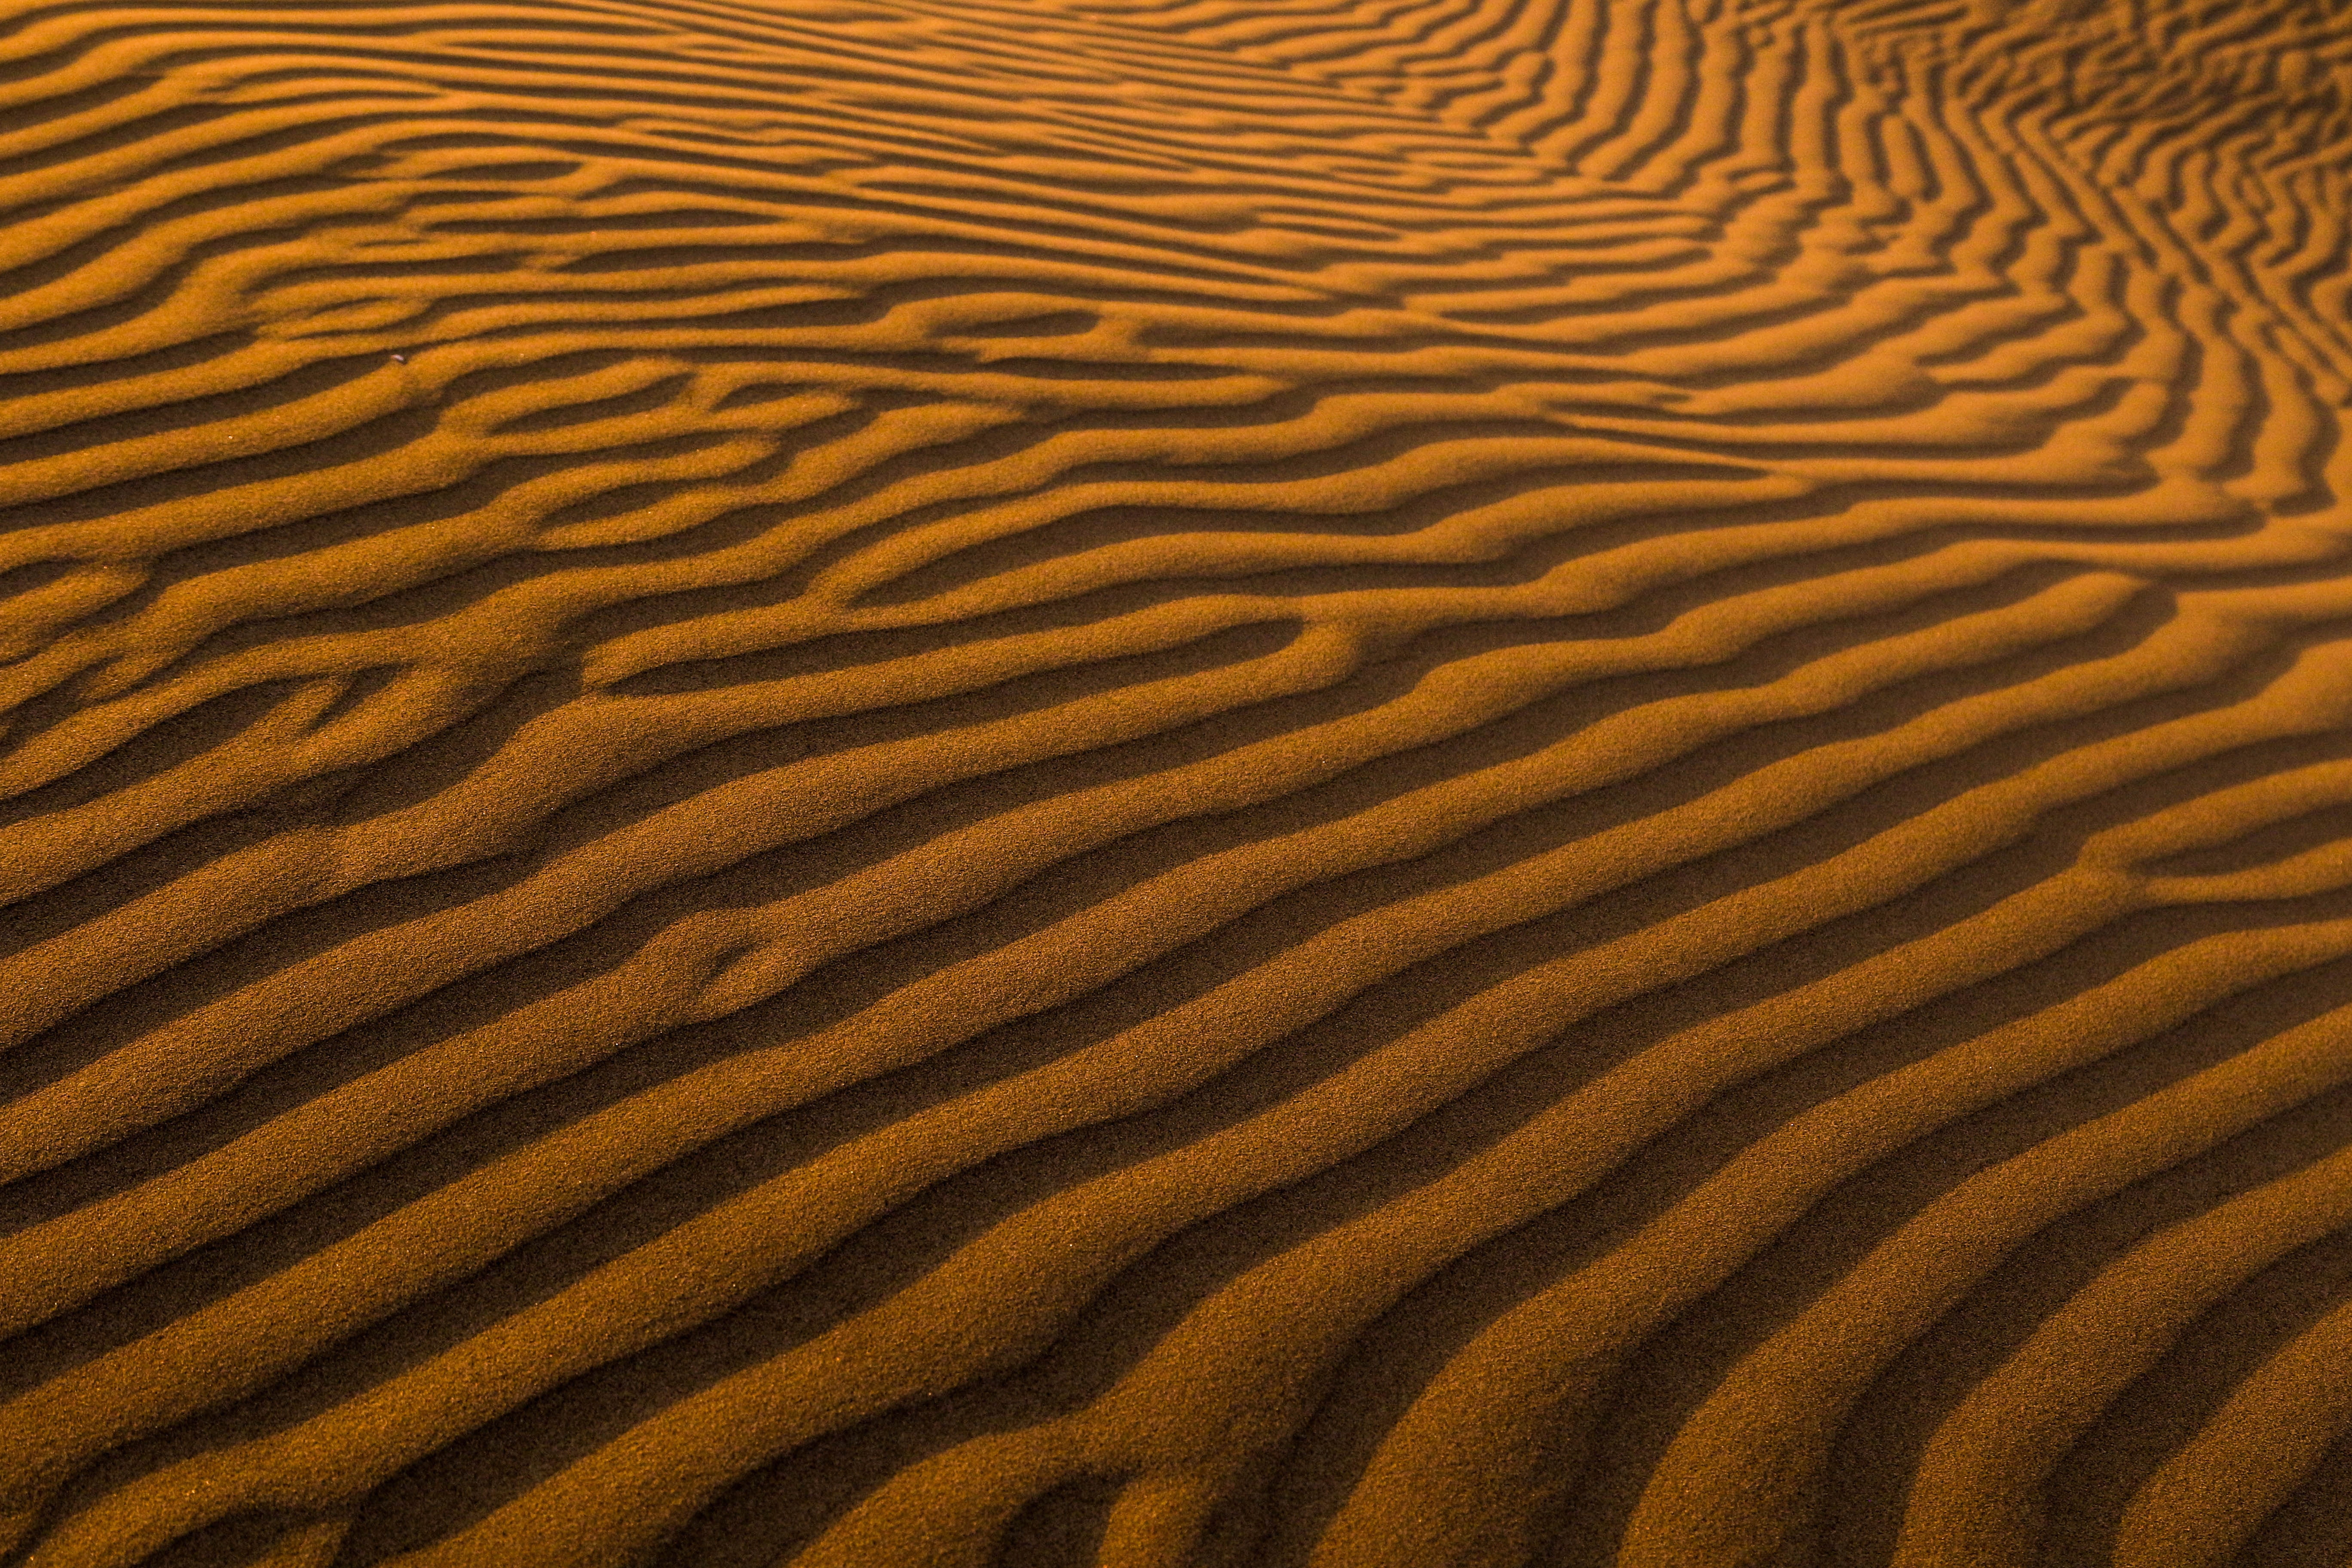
(1176, 783)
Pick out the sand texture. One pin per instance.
(1176, 783)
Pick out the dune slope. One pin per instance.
(1320, 784)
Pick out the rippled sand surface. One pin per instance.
(1176, 783)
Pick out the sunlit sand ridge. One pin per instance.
(918, 783)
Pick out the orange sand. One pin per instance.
(1176, 783)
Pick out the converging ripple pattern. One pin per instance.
(1176, 783)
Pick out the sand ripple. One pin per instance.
(1319, 783)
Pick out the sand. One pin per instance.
(1176, 783)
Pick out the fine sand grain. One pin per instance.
(1176, 783)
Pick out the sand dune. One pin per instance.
(1319, 783)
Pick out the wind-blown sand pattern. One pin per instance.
(1315, 783)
